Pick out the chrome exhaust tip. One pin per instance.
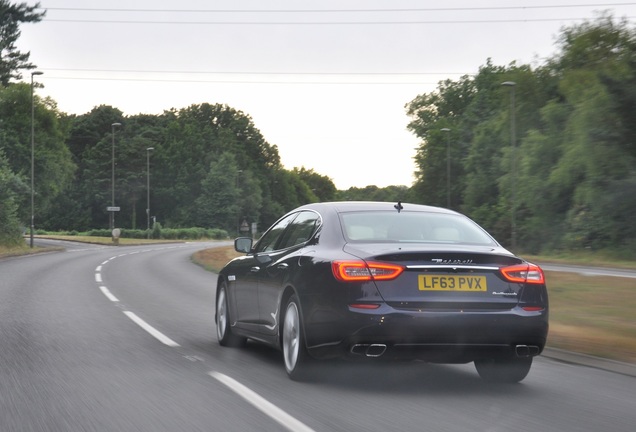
(526, 350)
(359, 349)
(375, 350)
(369, 350)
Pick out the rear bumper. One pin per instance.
(435, 336)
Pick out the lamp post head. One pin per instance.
(445, 129)
(36, 73)
(116, 124)
(509, 83)
(150, 149)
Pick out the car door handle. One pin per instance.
(255, 269)
(282, 266)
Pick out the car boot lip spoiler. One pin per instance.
(451, 266)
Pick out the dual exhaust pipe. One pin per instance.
(368, 350)
(377, 350)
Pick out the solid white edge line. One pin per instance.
(150, 329)
(261, 404)
(108, 294)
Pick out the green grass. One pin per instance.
(593, 315)
(6, 252)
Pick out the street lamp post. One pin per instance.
(513, 165)
(238, 175)
(112, 212)
(33, 159)
(148, 150)
(448, 168)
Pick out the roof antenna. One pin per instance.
(398, 206)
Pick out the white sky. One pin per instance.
(327, 86)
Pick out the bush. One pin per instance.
(99, 233)
(217, 234)
(156, 230)
(157, 233)
(134, 233)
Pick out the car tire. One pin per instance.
(508, 370)
(224, 332)
(295, 353)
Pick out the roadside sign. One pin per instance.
(112, 208)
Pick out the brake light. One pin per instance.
(360, 271)
(523, 273)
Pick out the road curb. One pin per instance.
(590, 361)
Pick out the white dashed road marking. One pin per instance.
(108, 294)
(262, 404)
(150, 329)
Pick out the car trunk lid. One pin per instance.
(457, 278)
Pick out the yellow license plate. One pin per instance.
(452, 283)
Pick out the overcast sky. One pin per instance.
(326, 81)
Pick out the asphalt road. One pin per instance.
(123, 339)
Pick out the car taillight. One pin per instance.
(360, 271)
(523, 273)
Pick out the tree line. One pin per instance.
(555, 159)
(543, 155)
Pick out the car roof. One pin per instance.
(346, 206)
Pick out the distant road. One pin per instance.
(590, 271)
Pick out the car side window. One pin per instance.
(300, 230)
(267, 243)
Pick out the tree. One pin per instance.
(574, 140)
(12, 60)
(10, 187)
(217, 206)
(321, 186)
(374, 193)
(53, 164)
(195, 137)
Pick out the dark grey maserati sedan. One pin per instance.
(382, 281)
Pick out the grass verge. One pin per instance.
(214, 259)
(22, 250)
(585, 258)
(593, 315)
(108, 241)
(6, 252)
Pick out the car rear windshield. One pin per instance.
(412, 227)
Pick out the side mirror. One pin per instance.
(243, 244)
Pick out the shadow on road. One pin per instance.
(398, 377)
